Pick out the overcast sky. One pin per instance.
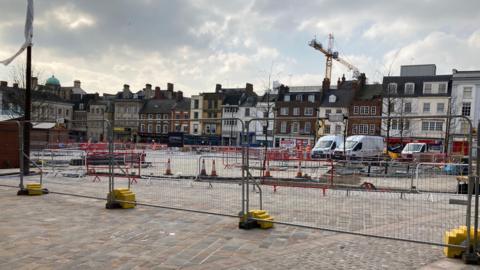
(196, 44)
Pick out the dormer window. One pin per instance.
(427, 88)
(442, 88)
(409, 88)
(332, 99)
(392, 88)
(286, 98)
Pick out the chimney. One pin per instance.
(170, 87)
(126, 88)
(148, 86)
(157, 92)
(15, 85)
(454, 71)
(343, 78)
(218, 88)
(34, 82)
(325, 84)
(249, 87)
(76, 84)
(3, 83)
(179, 95)
(339, 82)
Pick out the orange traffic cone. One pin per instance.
(203, 172)
(169, 169)
(267, 169)
(299, 171)
(214, 171)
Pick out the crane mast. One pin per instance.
(330, 54)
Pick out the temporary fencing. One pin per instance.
(413, 200)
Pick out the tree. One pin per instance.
(18, 75)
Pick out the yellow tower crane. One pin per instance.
(331, 55)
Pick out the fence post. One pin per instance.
(470, 256)
(20, 154)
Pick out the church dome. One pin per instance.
(52, 81)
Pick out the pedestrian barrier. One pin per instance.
(408, 200)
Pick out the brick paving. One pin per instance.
(64, 232)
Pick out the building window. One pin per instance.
(308, 111)
(338, 129)
(177, 127)
(355, 109)
(327, 112)
(407, 107)
(296, 111)
(165, 128)
(165, 116)
(400, 125)
(466, 108)
(298, 98)
(195, 128)
(364, 110)
(442, 88)
(149, 128)
(150, 116)
(373, 110)
(286, 98)
(195, 104)
(426, 107)
(295, 126)
(177, 116)
(354, 129)
(427, 88)
(467, 92)
(159, 129)
(372, 129)
(142, 128)
(283, 127)
(392, 88)
(186, 116)
(409, 88)
(339, 110)
(391, 107)
(311, 98)
(247, 111)
(195, 115)
(81, 107)
(432, 126)
(440, 107)
(363, 129)
(284, 111)
(308, 127)
(326, 130)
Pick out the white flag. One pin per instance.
(28, 33)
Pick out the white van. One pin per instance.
(326, 145)
(412, 148)
(360, 146)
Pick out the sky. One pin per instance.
(197, 44)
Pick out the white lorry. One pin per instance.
(326, 145)
(361, 146)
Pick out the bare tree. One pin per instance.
(18, 75)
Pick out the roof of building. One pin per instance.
(369, 91)
(343, 98)
(418, 81)
(52, 81)
(158, 106)
(182, 105)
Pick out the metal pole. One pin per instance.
(20, 153)
(27, 113)
(468, 252)
(475, 233)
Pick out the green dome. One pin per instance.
(53, 81)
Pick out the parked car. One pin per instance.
(326, 145)
(361, 146)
